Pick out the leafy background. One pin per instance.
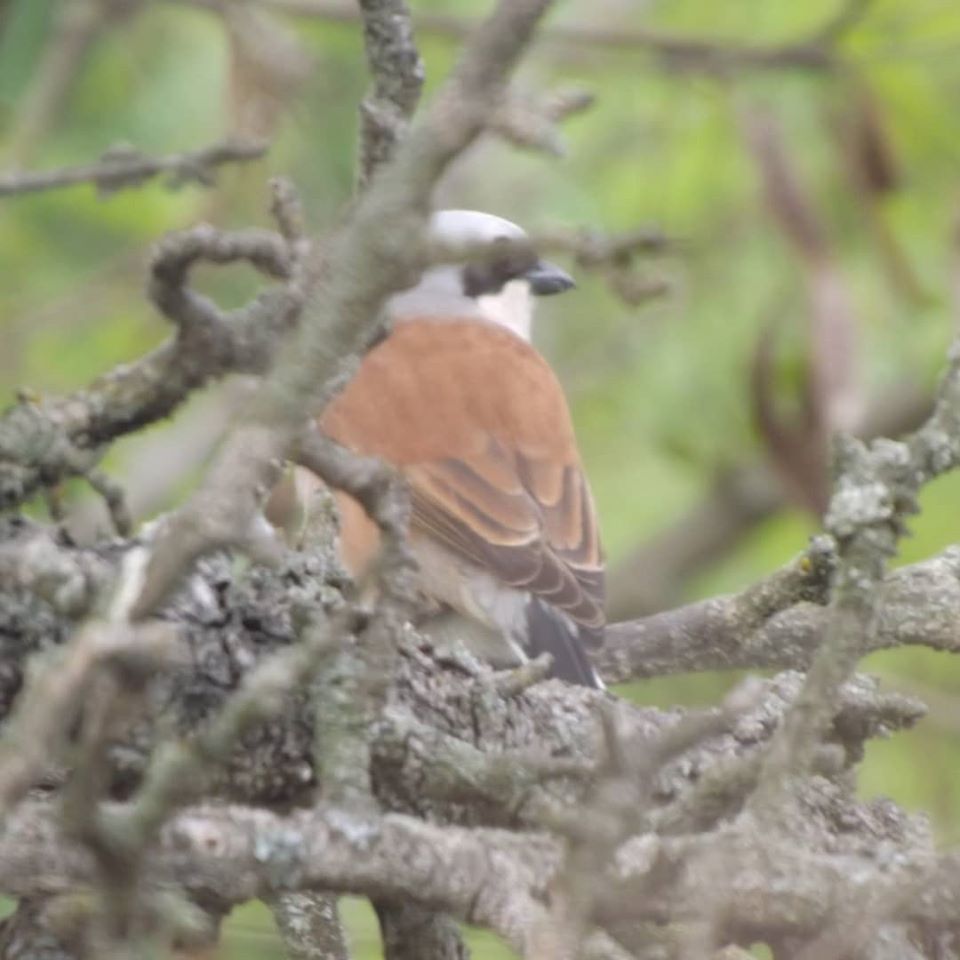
(659, 390)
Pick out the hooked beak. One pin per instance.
(547, 278)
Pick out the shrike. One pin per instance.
(503, 524)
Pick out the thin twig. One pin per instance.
(683, 54)
(123, 167)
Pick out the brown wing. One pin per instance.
(477, 422)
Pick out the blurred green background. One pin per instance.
(660, 388)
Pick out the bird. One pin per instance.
(503, 524)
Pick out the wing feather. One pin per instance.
(478, 424)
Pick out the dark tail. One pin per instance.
(549, 631)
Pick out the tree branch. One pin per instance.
(123, 167)
(398, 75)
(43, 441)
(676, 53)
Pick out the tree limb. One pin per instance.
(813, 53)
(123, 167)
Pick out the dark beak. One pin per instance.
(547, 278)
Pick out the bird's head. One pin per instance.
(497, 278)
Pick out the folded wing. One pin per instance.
(477, 422)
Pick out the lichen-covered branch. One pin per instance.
(310, 926)
(500, 880)
(398, 75)
(455, 747)
(919, 606)
(44, 441)
(719, 633)
(652, 577)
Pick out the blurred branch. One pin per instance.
(367, 260)
(499, 879)
(614, 257)
(349, 705)
(453, 747)
(229, 853)
(180, 771)
(831, 397)
(531, 123)
(591, 248)
(40, 728)
(123, 167)
(269, 66)
(683, 54)
(78, 25)
(868, 154)
(614, 809)
(849, 14)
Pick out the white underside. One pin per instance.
(471, 591)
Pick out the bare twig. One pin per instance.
(123, 167)
(532, 123)
(44, 441)
(76, 29)
(37, 733)
(683, 54)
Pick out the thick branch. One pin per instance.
(919, 606)
(233, 854)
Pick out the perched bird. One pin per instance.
(503, 524)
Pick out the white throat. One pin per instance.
(438, 296)
(512, 308)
